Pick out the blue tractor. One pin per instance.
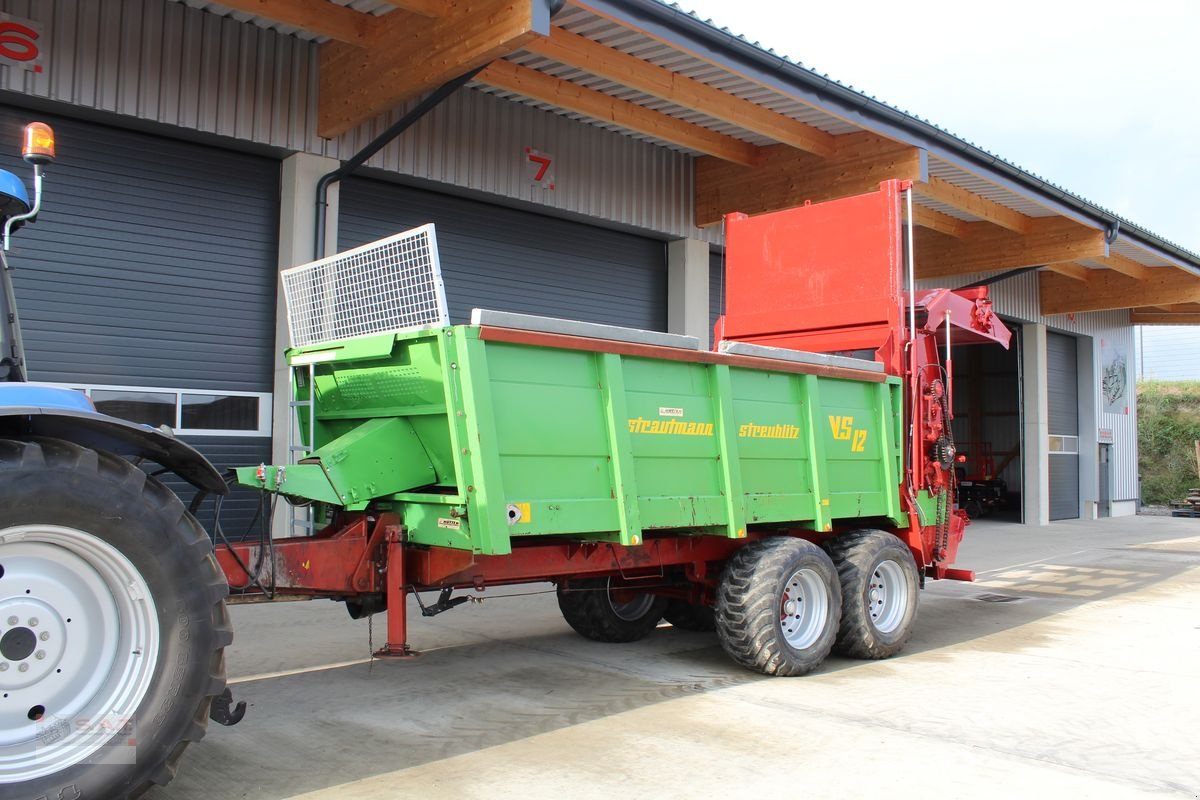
(112, 607)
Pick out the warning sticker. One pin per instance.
(452, 524)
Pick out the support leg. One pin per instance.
(397, 600)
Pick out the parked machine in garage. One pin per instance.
(791, 499)
(981, 492)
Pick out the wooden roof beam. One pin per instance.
(598, 105)
(409, 55)
(321, 17)
(786, 177)
(1073, 271)
(937, 221)
(987, 248)
(1106, 290)
(1125, 266)
(1188, 314)
(987, 210)
(626, 70)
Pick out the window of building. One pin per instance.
(188, 412)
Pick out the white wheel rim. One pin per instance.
(887, 596)
(89, 617)
(803, 608)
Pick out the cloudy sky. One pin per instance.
(1100, 97)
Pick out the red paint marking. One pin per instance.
(545, 165)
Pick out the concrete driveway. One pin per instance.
(1071, 667)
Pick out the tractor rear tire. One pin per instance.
(879, 593)
(690, 616)
(778, 606)
(112, 624)
(600, 612)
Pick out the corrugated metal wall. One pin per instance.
(165, 62)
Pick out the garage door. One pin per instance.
(509, 260)
(1063, 399)
(149, 281)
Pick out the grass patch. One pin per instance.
(1168, 427)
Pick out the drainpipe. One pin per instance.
(439, 94)
(375, 145)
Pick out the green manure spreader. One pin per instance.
(790, 489)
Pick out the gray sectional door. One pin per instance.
(509, 260)
(152, 264)
(1062, 375)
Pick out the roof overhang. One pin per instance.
(766, 132)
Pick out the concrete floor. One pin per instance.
(1070, 667)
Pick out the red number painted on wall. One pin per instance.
(539, 167)
(20, 47)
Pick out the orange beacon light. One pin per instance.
(39, 144)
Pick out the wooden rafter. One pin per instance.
(987, 210)
(1185, 314)
(426, 8)
(1125, 266)
(987, 248)
(410, 55)
(942, 223)
(1106, 290)
(627, 70)
(321, 17)
(1076, 272)
(787, 177)
(598, 105)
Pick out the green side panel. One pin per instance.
(773, 436)
(855, 450)
(476, 442)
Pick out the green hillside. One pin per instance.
(1168, 426)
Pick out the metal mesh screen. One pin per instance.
(393, 284)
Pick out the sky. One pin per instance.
(1101, 98)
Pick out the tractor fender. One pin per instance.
(84, 426)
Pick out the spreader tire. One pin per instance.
(116, 586)
(605, 614)
(778, 606)
(879, 593)
(690, 616)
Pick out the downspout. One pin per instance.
(375, 145)
(439, 94)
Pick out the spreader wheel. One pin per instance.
(112, 624)
(605, 613)
(778, 606)
(879, 593)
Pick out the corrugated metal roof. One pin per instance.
(636, 43)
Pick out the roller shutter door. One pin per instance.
(509, 260)
(1063, 400)
(152, 265)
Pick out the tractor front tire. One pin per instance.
(778, 606)
(112, 624)
(604, 613)
(880, 590)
